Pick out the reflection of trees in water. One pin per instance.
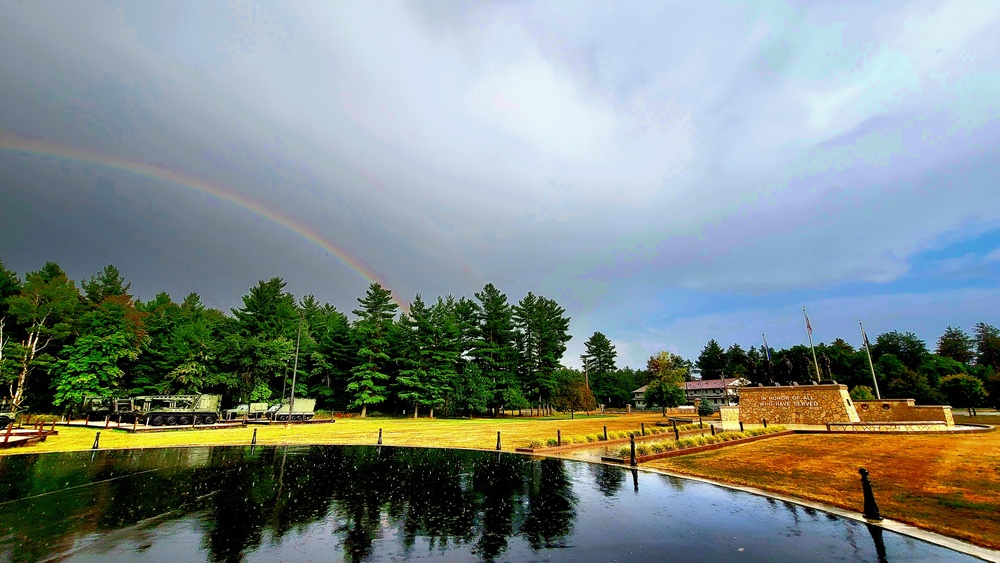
(609, 478)
(448, 498)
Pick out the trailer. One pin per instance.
(303, 410)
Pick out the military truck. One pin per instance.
(7, 414)
(156, 410)
(252, 411)
(303, 410)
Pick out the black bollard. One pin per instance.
(558, 438)
(633, 462)
(605, 433)
(700, 423)
(380, 436)
(871, 507)
(253, 441)
(643, 426)
(97, 439)
(498, 440)
(712, 426)
(765, 423)
(741, 426)
(677, 435)
(876, 532)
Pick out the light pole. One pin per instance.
(295, 371)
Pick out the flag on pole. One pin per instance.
(809, 327)
(767, 350)
(864, 336)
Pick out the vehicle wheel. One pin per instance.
(185, 420)
(209, 419)
(157, 421)
(283, 417)
(171, 420)
(197, 420)
(309, 417)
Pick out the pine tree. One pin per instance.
(368, 380)
(957, 345)
(712, 361)
(599, 356)
(494, 349)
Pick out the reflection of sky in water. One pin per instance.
(323, 504)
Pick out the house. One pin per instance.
(715, 391)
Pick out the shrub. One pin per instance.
(705, 409)
(656, 447)
(535, 444)
(711, 440)
(641, 449)
(590, 438)
(551, 442)
(600, 437)
(669, 446)
(700, 440)
(685, 443)
(625, 451)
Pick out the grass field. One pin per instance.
(946, 483)
(949, 484)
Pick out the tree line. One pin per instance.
(60, 343)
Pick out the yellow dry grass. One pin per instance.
(946, 483)
(479, 433)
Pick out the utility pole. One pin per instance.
(295, 371)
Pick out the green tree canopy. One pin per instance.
(957, 345)
(712, 361)
(367, 384)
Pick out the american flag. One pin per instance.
(865, 337)
(767, 350)
(809, 327)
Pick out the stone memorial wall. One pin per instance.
(902, 410)
(797, 404)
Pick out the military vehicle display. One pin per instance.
(303, 410)
(7, 414)
(252, 411)
(156, 410)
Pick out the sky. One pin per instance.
(668, 172)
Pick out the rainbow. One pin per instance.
(163, 174)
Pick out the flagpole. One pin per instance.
(767, 350)
(864, 338)
(810, 333)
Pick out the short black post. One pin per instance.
(712, 426)
(558, 437)
(700, 423)
(741, 426)
(380, 436)
(643, 426)
(677, 435)
(253, 441)
(871, 507)
(97, 439)
(765, 423)
(633, 462)
(605, 433)
(498, 440)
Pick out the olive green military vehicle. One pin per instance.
(303, 410)
(156, 410)
(252, 411)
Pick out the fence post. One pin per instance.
(871, 507)
(712, 426)
(741, 426)
(253, 441)
(380, 436)
(677, 435)
(498, 440)
(97, 439)
(605, 433)
(765, 423)
(632, 462)
(643, 426)
(701, 423)
(558, 438)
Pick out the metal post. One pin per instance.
(380, 436)
(253, 440)
(871, 507)
(677, 435)
(558, 437)
(811, 347)
(870, 365)
(632, 462)
(295, 370)
(643, 426)
(97, 439)
(605, 433)
(765, 423)
(700, 423)
(498, 440)
(741, 426)
(712, 426)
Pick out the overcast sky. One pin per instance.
(669, 172)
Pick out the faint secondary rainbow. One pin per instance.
(161, 173)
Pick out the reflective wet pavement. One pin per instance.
(361, 503)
